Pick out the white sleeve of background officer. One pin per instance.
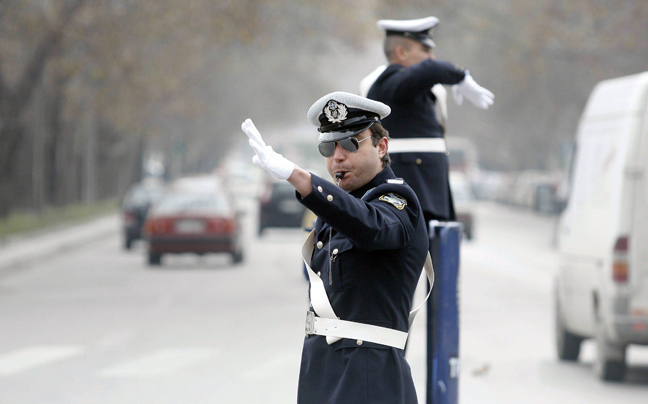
(367, 82)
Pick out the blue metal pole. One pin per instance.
(443, 315)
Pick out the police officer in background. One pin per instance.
(364, 256)
(417, 146)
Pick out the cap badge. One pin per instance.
(335, 111)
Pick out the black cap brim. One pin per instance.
(339, 135)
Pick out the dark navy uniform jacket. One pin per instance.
(381, 241)
(407, 91)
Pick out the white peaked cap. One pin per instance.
(339, 115)
(417, 25)
(418, 30)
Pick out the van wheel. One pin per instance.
(567, 344)
(610, 364)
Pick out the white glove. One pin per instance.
(478, 95)
(276, 164)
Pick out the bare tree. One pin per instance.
(15, 99)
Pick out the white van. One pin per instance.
(602, 283)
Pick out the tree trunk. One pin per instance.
(14, 102)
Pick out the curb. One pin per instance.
(24, 252)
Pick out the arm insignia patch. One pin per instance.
(398, 201)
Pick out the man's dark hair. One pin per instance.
(378, 132)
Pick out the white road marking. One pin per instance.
(160, 363)
(28, 358)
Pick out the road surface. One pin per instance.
(97, 325)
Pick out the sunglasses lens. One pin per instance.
(326, 149)
(350, 144)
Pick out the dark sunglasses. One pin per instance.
(350, 144)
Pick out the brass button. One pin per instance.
(359, 342)
(319, 274)
(419, 161)
(320, 188)
(335, 251)
(329, 198)
(320, 244)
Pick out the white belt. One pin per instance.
(426, 144)
(328, 324)
(359, 331)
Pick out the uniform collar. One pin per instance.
(380, 178)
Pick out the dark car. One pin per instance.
(191, 221)
(278, 207)
(135, 207)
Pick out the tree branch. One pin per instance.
(21, 96)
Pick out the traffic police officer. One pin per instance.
(417, 147)
(364, 256)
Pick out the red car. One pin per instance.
(193, 222)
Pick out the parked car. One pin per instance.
(601, 289)
(135, 207)
(536, 189)
(278, 207)
(464, 202)
(187, 220)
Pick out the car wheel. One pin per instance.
(610, 364)
(567, 344)
(154, 259)
(237, 257)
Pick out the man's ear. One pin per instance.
(400, 53)
(382, 146)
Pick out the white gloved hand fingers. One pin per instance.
(488, 93)
(276, 164)
(270, 151)
(482, 101)
(252, 132)
(258, 149)
(476, 94)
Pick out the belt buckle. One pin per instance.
(310, 323)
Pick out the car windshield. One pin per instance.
(193, 202)
(140, 196)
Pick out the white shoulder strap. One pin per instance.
(319, 298)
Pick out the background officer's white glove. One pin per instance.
(276, 164)
(478, 95)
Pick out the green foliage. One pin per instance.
(26, 222)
